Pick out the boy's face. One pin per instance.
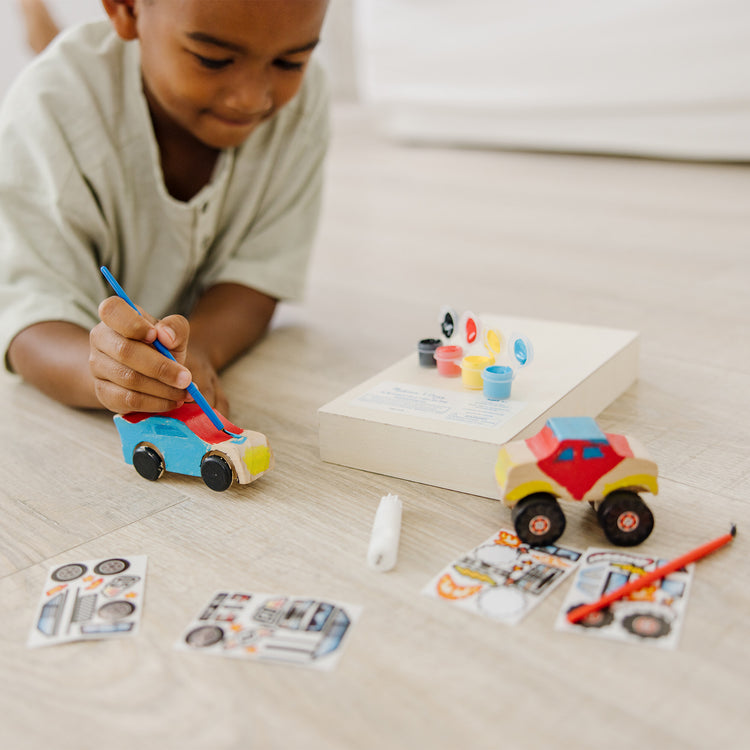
(216, 69)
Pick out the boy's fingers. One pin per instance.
(106, 369)
(121, 317)
(122, 400)
(174, 332)
(129, 362)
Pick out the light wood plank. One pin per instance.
(660, 247)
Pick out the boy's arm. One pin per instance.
(115, 365)
(54, 357)
(226, 321)
(112, 366)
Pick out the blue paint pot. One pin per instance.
(426, 352)
(496, 382)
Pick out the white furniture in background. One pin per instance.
(664, 78)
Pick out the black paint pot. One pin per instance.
(426, 351)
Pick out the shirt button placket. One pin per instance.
(203, 227)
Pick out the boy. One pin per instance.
(182, 147)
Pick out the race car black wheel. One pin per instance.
(538, 519)
(216, 473)
(148, 463)
(625, 518)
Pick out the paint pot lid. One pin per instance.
(448, 321)
(493, 341)
(521, 350)
(470, 327)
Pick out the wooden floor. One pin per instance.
(660, 247)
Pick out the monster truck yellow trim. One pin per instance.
(634, 482)
(528, 488)
(257, 459)
(503, 465)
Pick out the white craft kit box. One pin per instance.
(410, 422)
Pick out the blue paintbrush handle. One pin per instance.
(192, 389)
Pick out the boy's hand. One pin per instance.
(207, 380)
(129, 374)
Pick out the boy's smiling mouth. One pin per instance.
(239, 121)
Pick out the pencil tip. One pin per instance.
(733, 530)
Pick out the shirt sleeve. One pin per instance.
(50, 224)
(273, 251)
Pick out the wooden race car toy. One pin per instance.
(186, 442)
(572, 459)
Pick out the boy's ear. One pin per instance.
(123, 17)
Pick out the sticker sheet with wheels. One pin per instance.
(651, 616)
(90, 600)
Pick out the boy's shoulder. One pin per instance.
(84, 63)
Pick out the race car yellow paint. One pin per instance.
(257, 459)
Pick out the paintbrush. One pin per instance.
(192, 389)
(579, 613)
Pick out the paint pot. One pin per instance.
(521, 350)
(426, 351)
(471, 370)
(497, 380)
(447, 359)
(448, 321)
(470, 327)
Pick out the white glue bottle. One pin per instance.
(386, 531)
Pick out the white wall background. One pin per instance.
(653, 77)
(667, 78)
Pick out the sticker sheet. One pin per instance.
(299, 630)
(653, 615)
(89, 600)
(503, 578)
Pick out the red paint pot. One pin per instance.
(448, 359)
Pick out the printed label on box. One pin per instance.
(434, 403)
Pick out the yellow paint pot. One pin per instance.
(471, 370)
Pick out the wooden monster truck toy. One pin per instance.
(572, 459)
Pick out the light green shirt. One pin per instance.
(81, 186)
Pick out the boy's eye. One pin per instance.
(288, 64)
(212, 63)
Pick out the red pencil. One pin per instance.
(638, 583)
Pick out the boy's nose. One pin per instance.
(252, 95)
